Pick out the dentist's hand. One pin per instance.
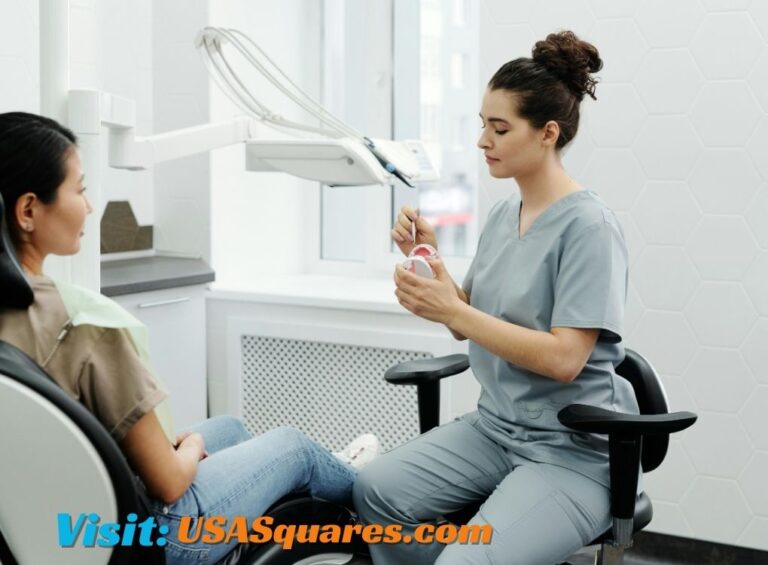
(433, 299)
(402, 230)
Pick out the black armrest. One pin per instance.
(600, 421)
(625, 443)
(422, 371)
(426, 375)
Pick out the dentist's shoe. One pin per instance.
(361, 451)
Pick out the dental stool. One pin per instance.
(634, 440)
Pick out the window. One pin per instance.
(460, 8)
(414, 79)
(447, 103)
(458, 65)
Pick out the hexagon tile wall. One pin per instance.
(677, 144)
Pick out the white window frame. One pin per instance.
(383, 19)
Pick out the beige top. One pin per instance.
(99, 367)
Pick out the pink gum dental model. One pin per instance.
(417, 261)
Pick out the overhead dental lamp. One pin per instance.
(332, 153)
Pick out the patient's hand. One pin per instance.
(181, 437)
(192, 441)
(166, 472)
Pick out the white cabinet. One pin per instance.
(175, 318)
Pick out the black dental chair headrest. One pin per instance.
(15, 291)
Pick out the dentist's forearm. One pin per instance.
(465, 299)
(534, 350)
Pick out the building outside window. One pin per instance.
(432, 51)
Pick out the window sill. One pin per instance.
(320, 291)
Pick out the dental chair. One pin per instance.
(56, 457)
(634, 440)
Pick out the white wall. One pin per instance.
(111, 51)
(182, 187)
(19, 56)
(676, 143)
(258, 219)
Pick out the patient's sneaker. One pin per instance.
(361, 451)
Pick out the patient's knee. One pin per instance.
(289, 438)
(233, 427)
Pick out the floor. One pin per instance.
(587, 557)
(583, 557)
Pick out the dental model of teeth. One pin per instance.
(418, 260)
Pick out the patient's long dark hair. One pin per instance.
(33, 151)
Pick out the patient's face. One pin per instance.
(59, 225)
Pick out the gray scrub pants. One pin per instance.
(540, 513)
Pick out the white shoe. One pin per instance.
(361, 451)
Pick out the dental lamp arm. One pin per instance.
(90, 110)
(126, 151)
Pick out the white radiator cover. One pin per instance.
(328, 390)
(326, 380)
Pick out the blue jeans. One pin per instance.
(243, 476)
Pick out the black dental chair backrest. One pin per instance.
(651, 399)
(16, 292)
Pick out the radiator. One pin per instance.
(333, 391)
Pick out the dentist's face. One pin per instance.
(512, 147)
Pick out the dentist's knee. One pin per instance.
(375, 493)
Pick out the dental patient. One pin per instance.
(94, 350)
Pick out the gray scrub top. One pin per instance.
(568, 270)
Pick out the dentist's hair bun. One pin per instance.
(571, 59)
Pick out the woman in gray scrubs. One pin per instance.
(543, 308)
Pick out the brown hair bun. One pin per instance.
(571, 60)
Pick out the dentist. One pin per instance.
(543, 307)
